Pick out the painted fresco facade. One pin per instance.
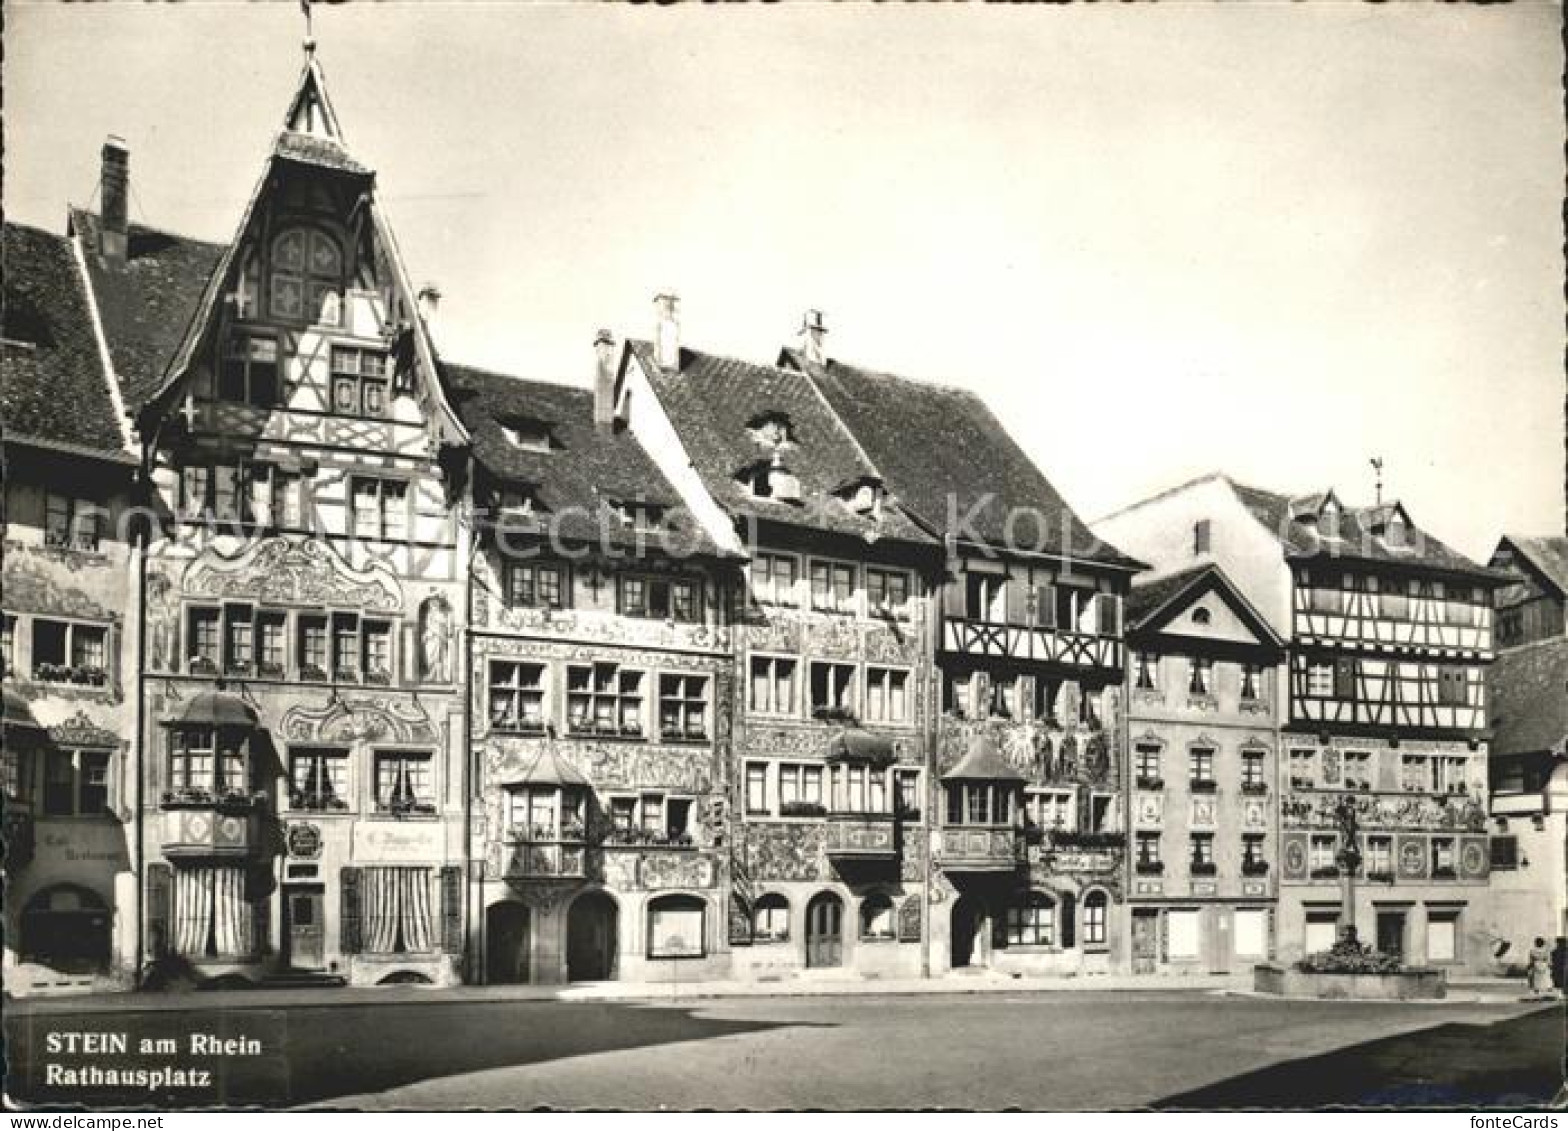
(600, 735)
(303, 738)
(70, 637)
(831, 829)
(1203, 683)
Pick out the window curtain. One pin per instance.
(212, 917)
(398, 910)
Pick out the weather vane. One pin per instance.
(1377, 466)
(310, 36)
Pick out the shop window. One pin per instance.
(770, 919)
(676, 927)
(1032, 922)
(877, 921)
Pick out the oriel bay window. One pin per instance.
(858, 787)
(546, 813)
(208, 764)
(800, 789)
(604, 699)
(318, 780)
(683, 707)
(517, 696)
(405, 783)
(980, 803)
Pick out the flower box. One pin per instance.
(1255, 867)
(1149, 867)
(803, 809)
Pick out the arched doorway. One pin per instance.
(825, 931)
(67, 928)
(591, 938)
(507, 936)
(968, 932)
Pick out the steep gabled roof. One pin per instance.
(952, 463)
(1155, 603)
(54, 390)
(1528, 692)
(1280, 515)
(146, 305)
(714, 402)
(1548, 557)
(584, 472)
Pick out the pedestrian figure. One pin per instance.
(1539, 970)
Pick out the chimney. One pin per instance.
(667, 330)
(114, 186)
(604, 381)
(813, 335)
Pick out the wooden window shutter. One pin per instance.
(160, 886)
(1110, 614)
(349, 915)
(1045, 606)
(1017, 592)
(452, 909)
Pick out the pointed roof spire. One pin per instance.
(310, 111)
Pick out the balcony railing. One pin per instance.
(980, 848)
(862, 836)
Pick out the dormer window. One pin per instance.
(770, 479)
(640, 516)
(528, 434)
(772, 429)
(863, 498)
(519, 502)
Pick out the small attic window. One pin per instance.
(640, 515)
(519, 502)
(770, 479)
(23, 323)
(864, 498)
(528, 434)
(1202, 616)
(772, 429)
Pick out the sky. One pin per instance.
(1275, 240)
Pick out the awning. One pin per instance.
(549, 768)
(983, 763)
(860, 746)
(18, 717)
(217, 709)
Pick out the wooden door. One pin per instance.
(306, 939)
(966, 926)
(591, 939)
(824, 931)
(1145, 941)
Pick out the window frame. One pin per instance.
(239, 347)
(829, 599)
(386, 528)
(427, 805)
(617, 695)
(888, 673)
(516, 575)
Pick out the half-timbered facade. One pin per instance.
(301, 779)
(70, 630)
(1028, 815)
(601, 693)
(1203, 737)
(1389, 636)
